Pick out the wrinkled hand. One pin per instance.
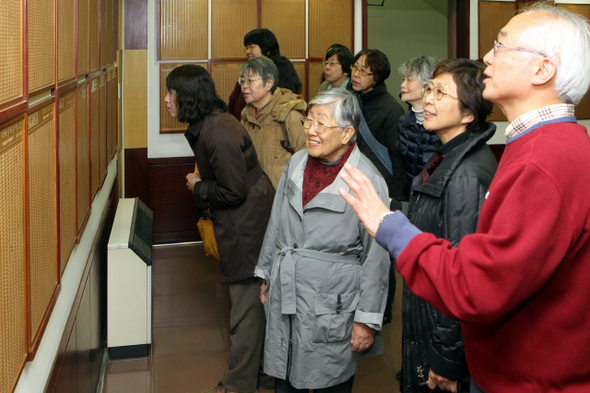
(443, 383)
(362, 336)
(191, 179)
(262, 293)
(367, 204)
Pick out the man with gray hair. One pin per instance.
(520, 284)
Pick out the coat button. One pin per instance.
(276, 156)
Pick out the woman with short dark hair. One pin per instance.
(288, 78)
(337, 64)
(381, 113)
(445, 200)
(231, 183)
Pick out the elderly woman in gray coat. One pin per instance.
(325, 277)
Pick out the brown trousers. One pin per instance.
(247, 322)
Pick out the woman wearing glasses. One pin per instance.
(381, 112)
(445, 200)
(272, 116)
(337, 67)
(325, 278)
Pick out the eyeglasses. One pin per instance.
(319, 127)
(360, 70)
(437, 91)
(248, 81)
(499, 45)
(331, 64)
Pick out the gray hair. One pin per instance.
(346, 110)
(422, 66)
(264, 67)
(564, 37)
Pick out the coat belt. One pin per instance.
(286, 268)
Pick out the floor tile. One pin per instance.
(188, 373)
(381, 381)
(183, 307)
(175, 283)
(203, 336)
(129, 376)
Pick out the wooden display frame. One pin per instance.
(42, 113)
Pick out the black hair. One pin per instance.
(378, 62)
(195, 93)
(344, 55)
(265, 39)
(468, 76)
(288, 77)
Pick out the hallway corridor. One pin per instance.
(190, 333)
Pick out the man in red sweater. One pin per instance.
(520, 285)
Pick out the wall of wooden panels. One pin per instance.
(183, 36)
(59, 126)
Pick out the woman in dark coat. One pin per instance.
(445, 200)
(240, 196)
(381, 112)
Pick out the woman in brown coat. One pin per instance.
(240, 196)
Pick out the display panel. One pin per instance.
(230, 21)
(12, 253)
(286, 19)
(42, 213)
(67, 177)
(11, 48)
(339, 14)
(183, 29)
(66, 39)
(40, 24)
(94, 133)
(82, 158)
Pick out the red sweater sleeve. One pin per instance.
(524, 232)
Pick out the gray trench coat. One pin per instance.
(324, 272)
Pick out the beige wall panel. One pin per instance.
(40, 43)
(316, 70)
(583, 108)
(82, 37)
(183, 29)
(300, 69)
(82, 157)
(339, 15)
(94, 133)
(493, 16)
(12, 274)
(66, 39)
(286, 19)
(225, 76)
(42, 217)
(93, 34)
(167, 122)
(67, 177)
(230, 21)
(11, 68)
(102, 136)
(135, 101)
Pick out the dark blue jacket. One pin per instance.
(415, 146)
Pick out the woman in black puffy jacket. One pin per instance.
(415, 144)
(445, 200)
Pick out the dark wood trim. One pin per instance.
(259, 14)
(136, 174)
(21, 106)
(136, 24)
(365, 27)
(498, 150)
(66, 87)
(42, 104)
(458, 29)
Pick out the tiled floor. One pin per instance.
(190, 333)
